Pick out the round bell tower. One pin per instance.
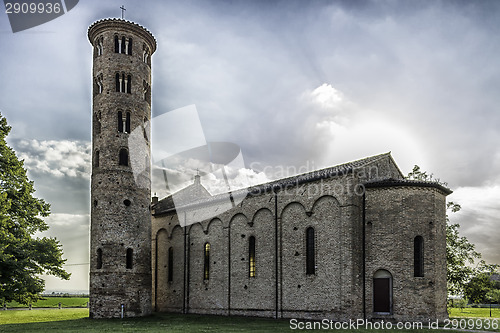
(120, 237)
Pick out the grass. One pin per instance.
(75, 320)
(53, 302)
(474, 313)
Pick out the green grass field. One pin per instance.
(475, 313)
(75, 320)
(53, 302)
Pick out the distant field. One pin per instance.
(75, 320)
(53, 302)
(475, 313)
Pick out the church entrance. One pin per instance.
(382, 292)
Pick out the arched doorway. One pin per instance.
(382, 292)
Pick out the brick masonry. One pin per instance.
(120, 284)
(365, 218)
(387, 217)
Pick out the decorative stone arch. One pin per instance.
(382, 292)
(212, 224)
(257, 214)
(291, 204)
(195, 225)
(174, 229)
(236, 217)
(322, 199)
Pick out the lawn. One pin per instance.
(475, 313)
(75, 320)
(53, 302)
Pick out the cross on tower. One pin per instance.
(123, 11)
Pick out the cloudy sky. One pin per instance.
(292, 83)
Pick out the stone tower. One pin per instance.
(120, 238)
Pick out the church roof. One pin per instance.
(167, 204)
(408, 182)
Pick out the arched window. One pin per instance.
(96, 158)
(206, 261)
(97, 122)
(123, 157)
(100, 46)
(418, 256)
(129, 46)
(99, 259)
(120, 121)
(118, 83)
(251, 256)
(117, 45)
(130, 254)
(310, 252)
(382, 292)
(128, 80)
(98, 86)
(122, 45)
(127, 123)
(123, 82)
(170, 264)
(146, 91)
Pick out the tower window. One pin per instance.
(146, 91)
(251, 256)
(123, 83)
(99, 47)
(117, 45)
(130, 254)
(418, 256)
(127, 123)
(98, 87)
(128, 82)
(129, 51)
(99, 259)
(118, 82)
(145, 54)
(170, 264)
(206, 262)
(123, 157)
(120, 121)
(97, 122)
(96, 158)
(310, 252)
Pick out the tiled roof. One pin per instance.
(408, 182)
(167, 204)
(111, 21)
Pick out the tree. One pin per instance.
(493, 296)
(22, 256)
(460, 253)
(479, 287)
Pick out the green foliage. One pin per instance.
(479, 287)
(417, 174)
(493, 296)
(23, 257)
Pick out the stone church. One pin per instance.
(353, 241)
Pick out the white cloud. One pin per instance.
(327, 96)
(59, 158)
(479, 218)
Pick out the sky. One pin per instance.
(296, 85)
